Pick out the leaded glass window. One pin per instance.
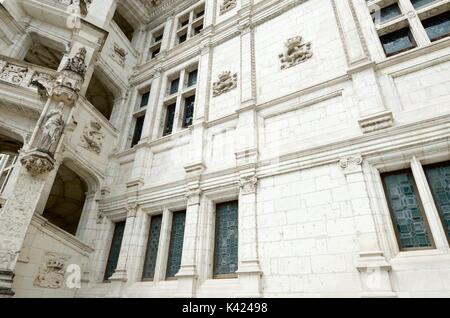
(188, 111)
(438, 26)
(170, 117)
(439, 179)
(226, 239)
(152, 248)
(176, 244)
(114, 252)
(421, 3)
(406, 211)
(397, 42)
(386, 14)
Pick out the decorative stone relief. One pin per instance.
(155, 2)
(119, 55)
(7, 255)
(296, 52)
(92, 138)
(37, 165)
(44, 83)
(14, 74)
(248, 185)
(227, 5)
(193, 196)
(51, 273)
(226, 83)
(351, 164)
(82, 4)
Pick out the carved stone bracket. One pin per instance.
(296, 52)
(38, 163)
(193, 196)
(52, 271)
(227, 5)
(351, 164)
(226, 83)
(248, 184)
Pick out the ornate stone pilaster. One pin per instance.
(371, 263)
(187, 276)
(249, 270)
(38, 170)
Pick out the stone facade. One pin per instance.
(294, 110)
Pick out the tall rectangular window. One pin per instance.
(174, 85)
(226, 240)
(192, 78)
(176, 244)
(138, 130)
(144, 99)
(407, 212)
(152, 248)
(438, 177)
(188, 115)
(114, 252)
(170, 116)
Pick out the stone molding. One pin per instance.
(351, 164)
(376, 122)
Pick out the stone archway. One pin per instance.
(66, 201)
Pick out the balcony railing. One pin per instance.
(25, 75)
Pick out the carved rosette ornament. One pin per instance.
(351, 164)
(52, 271)
(296, 52)
(226, 83)
(248, 185)
(227, 5)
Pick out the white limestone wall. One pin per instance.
(314, 22)
(43, 238)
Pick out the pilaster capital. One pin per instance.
(248, 184)
(193, 196)
(351, 164)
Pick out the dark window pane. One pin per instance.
(152, 248)
(174, 86)
(158, 38)
(438, 26)
(138, 130)
(188, 111)
(144, 99)
(176, 244)
(155, 52)
(439, 180)
(406, 211)
(170, 115)
(192, 78)
(115, 249)
(386, 13)
(226, 239)
(397, 42)
(420, 3)
(182, 38)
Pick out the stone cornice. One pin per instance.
(370, 147)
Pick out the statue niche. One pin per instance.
(51, 130)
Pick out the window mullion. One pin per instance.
(163, 247)
(179, 108)
(418, 31)
(431, 211)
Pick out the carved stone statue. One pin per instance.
(296, 52)
(51, 130)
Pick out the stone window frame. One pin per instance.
(190, 26)
(139, 111)
(415, 159)
(208, 207)
(154, 45)
(410, 18)
(179, 97)
(167, 211)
